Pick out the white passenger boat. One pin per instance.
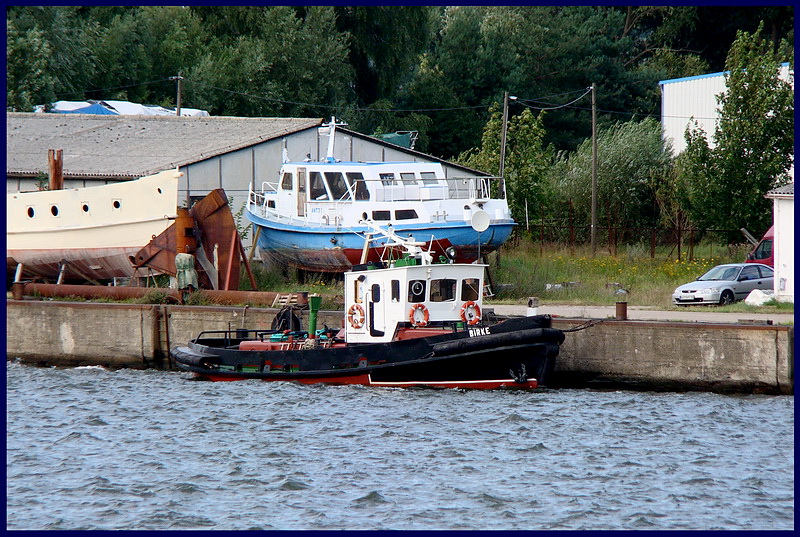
(310, 217)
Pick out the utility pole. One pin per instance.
(594, 168)
(503, 145)
(178, 101)
(506, 98)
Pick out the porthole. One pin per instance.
(54, 210)
(30, 212)
(117, 204)
(159, 190)
(85, 208)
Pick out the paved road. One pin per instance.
(643, 313)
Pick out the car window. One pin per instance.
(721, 272)
(749, 273)
(766, 272)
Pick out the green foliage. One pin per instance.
(281, 63)
(527, 160)
(753, 142)
(632, 165)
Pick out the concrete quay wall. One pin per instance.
(725, 357)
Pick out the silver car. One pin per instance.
(724, 284)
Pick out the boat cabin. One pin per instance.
(380, 302)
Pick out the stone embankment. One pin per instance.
(599, 351)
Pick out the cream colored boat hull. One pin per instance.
(94, 229)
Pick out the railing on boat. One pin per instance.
(458, 188)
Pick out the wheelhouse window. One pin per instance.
(286, 182)
(337, 185)
(388, 179)
(356, 181)
(381, 215)
(408, 178)
(429, 178)
(470, 289)
(318, 191)
(405, 214)
(395, 290)
(416, 291)
(443, 290)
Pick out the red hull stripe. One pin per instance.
(366, 380)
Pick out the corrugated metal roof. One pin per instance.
(132, 146)
(785, 190)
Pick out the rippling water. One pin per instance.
(94, 449)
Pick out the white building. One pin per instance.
(783, 244)
(690, 99)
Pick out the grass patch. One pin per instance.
(558, 275)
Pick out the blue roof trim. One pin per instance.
(670, 81)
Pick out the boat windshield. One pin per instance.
(338, 187)
(356, 181)
(720, 273)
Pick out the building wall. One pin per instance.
(685, 100)
(784, 248)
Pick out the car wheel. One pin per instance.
(726, 298)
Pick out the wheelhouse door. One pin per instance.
(301, 192)
(375, 314)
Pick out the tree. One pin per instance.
(753, 142)
(632, 165)
(28, 81)
(527, 159)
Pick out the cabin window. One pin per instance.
(408, 178)
(337, 185)
(405, 214)
(395, 290)
(117, 204)
(54, 210)
(30, 212)
(388, 179)
(318, 191)
(359, 185)
(85, 208)
(470, 289)
(416, 291)
(286, 183)
(381, 215)
(443, 290)
(357, 291)
(376, 292)
(271, 204)
(429, 178)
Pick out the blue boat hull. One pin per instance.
(332, 249)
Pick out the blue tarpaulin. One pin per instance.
(96, 108)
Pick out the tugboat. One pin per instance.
(409, 322)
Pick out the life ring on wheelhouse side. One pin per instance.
(356, 316)
(474, 315)
(412, 315)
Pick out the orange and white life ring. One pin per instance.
(471, 312)
(356, 316)
(412, 315)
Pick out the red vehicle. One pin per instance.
(763, 252)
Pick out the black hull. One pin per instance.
(519, 352)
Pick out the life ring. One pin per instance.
(355, 316)
(475, 316)
(425, 315)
